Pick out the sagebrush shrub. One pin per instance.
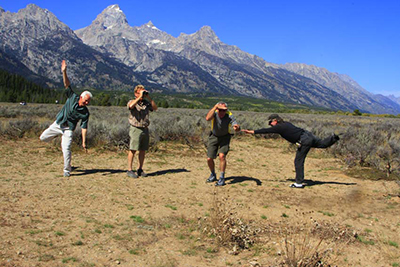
(365, 141)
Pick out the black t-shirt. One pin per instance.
(287, 130)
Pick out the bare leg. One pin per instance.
(142, 155)
(222, 162)
(211, 164)
(131, 155)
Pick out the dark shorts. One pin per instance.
(218, 145)
(139, 138)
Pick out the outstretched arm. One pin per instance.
(64, 73)
(248, 131)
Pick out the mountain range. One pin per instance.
(110, 54)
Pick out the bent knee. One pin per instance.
(44, 138)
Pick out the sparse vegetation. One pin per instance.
(366, 142)
(172, 217)
(137, 219)
(171, 207)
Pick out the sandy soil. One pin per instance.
(100, 217)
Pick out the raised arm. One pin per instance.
(210, 113)
(64, 73)
(153, 104)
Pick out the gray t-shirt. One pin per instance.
(222, 126)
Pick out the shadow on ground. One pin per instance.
(312, 183)
(239, 179)
(111, 171)
(98, 171)
(167, 171)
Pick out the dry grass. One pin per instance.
(310, 244)
(227, 227)
(99, 217)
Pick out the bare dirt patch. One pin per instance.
(100, 217)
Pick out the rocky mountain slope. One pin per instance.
(39, 41)
(110, 54)
(345, 86)
(394, 98)
(144, 48)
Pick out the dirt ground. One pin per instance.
(100, 217)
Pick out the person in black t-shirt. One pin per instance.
(304, 140)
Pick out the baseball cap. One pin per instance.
(273, 117)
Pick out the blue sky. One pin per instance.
(357, 38)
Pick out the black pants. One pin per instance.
(307, 141)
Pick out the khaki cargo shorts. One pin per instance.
(217, 145)
(139, 138)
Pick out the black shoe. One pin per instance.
(221, 182)
(336, 137)
(211, 179)
(131, 174)
(296, 186)
(140, 172)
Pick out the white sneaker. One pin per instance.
(296, 185)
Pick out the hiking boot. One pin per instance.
(297, 186)
(211, 179)
(221, 182)
(67, 174)
(140, 172)
(131, 174)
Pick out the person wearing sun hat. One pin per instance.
(219, 139)
(302, 138)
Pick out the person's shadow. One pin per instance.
(113, 171)
(78, 172)
(239, 179)
(167, 172)
(312, 183)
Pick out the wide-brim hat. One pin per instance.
(222, 105)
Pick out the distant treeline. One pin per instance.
(15, 88)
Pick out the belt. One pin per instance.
(142, 128)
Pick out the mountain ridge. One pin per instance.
(109, 53)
